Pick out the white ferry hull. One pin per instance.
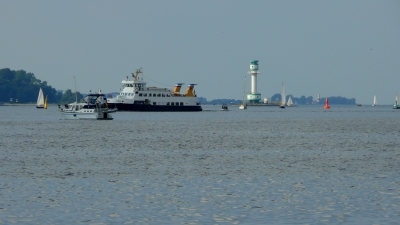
(155, 108)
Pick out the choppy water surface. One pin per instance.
(263, 165)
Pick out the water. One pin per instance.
(263, 165)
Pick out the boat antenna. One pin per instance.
(76, 96)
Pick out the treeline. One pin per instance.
(334, 100)
(25, 87)
(338, 101)
(303, 100)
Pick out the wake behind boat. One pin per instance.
(92, 107)
(135, 95)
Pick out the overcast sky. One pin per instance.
(332, 48)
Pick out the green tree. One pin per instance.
(69, 97)
(24, 87)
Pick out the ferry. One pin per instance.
(135, 95)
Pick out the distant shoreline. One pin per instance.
(21, 104)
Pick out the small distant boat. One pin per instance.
(40, 100)
(45, 102)
(290, 102)
(283, 96)
(358, 104)
(243, 105)
(224, 107)
(396, 102)
(374, 104)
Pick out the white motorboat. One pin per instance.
(92, 107)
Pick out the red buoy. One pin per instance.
(326, 104)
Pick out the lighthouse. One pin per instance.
(254, 96)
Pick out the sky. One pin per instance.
(348, 48)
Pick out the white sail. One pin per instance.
(40, 100)
(374, 104)
(290, 101)
(243, 105)
(283, 102)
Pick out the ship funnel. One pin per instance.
(177, 87)
(189, 91)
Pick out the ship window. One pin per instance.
(159, 95)
(181, 103)
(177, 103)
(168, 95)
(172, 103)
(140, 94)
(167, 103)
(145, 94)
(154, 103)
(163, 95)
(154, 95)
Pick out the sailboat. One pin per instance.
(243, 105)
(40, 100)
(45, 103)
(396, 102)
(290, 102)
(374, 104)
(283, 96)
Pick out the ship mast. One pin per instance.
(136, 74)
(76, 96)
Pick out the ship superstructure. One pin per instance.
(135, 95)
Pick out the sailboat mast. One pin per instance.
(244, 88)
(76, 96)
